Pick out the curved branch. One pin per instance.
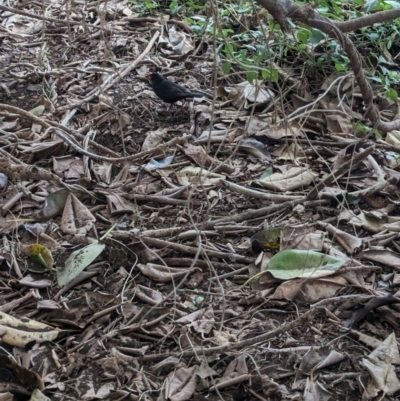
(368, 20)
(282, 9)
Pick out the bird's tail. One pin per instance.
(197, 94)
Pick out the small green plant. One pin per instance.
(386, 77)
(174, 7)
(367, 130)
(144, 6)
(380, 5)
(48, 91)
(191, 6)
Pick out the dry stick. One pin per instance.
(191, 250)
(113, 79)
(388, 147)
(327, 144)
(162, 232)
(159, 199)
(191, 234)
(11, 305)
(185, 262)
(102, 313)
(230, 382)
(257, 194)
(234, 346)
(137, 326)
(230, 274)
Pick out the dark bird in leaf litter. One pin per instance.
(168, 91)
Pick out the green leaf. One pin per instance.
(362, 128)
(267, 172)
(196, 29)
(303, 35)
(370, 5)
(316, 36)
(293, 263)
(340, 67)
(251, 76)
(77, 262)
(393, 4)
(377, 134)
(226, 67)
(391, 94)
(275, 75)
(229, 49)
(263, 51)
(373, 36)
(173, 5)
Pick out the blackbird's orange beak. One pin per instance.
(148, 75)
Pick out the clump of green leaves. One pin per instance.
(144, 6)
(380, 5)
(367, 130)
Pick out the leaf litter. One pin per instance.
(158, 308)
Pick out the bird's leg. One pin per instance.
(171, 107)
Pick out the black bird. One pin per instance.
(168, 91)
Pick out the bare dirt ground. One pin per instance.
(162, 306)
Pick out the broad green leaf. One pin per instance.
(303, 35)
(377, 134)
(229, 49)
(226, 67)
(77, 262)
(196, 29)
(373, 36)
(275, 75)
(251, 76)
(271, 74)
(391, 94)
(340, 67)
(316, 36)
(293, 263)
(370, 5)
(394, 4)
(267, 172)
